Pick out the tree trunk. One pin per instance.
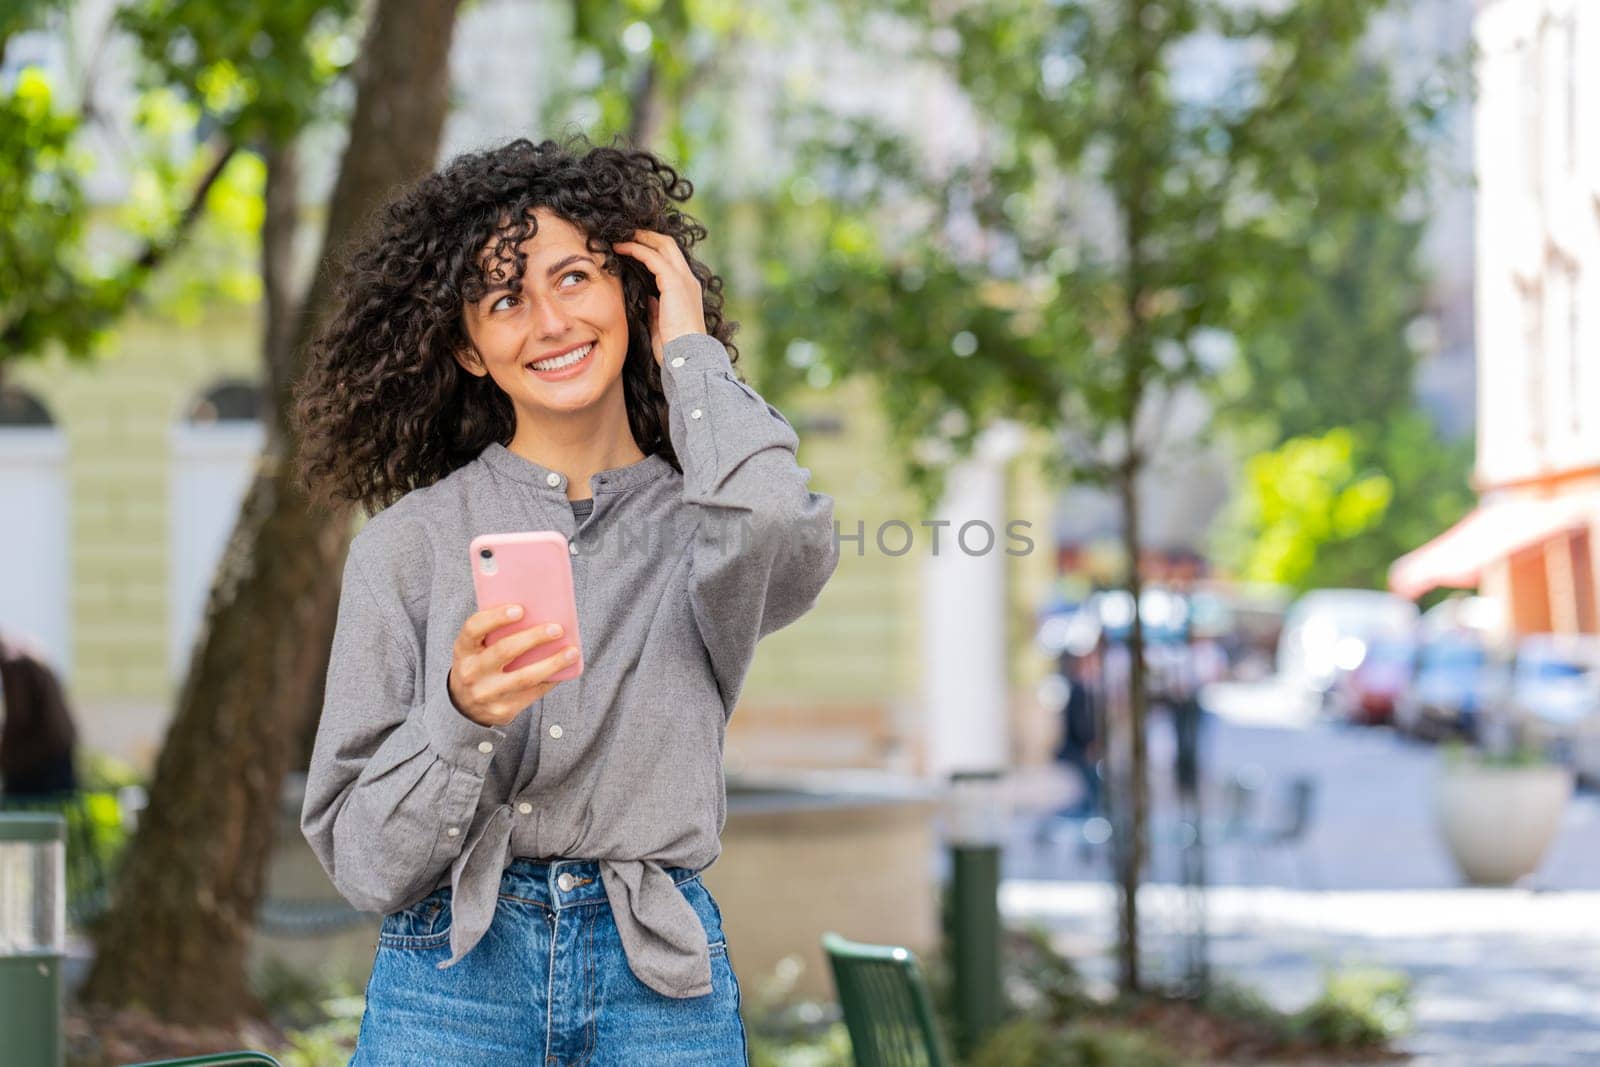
(177, 936)
(279, 226)
(1135, 784)
(644, 124)
(1139, 168)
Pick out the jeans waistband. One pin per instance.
(564, 883)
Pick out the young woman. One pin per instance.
(525, 341)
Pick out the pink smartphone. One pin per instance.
(535, 570)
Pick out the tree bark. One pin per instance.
(644, 124)
(176, 938)
(1136, 782)
(281, 302)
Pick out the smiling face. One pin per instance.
(557, 346)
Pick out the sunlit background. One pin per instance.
(1279, 320)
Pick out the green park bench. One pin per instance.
(888, 1010)
(220, 1059)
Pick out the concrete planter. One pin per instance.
(1499, 821)
(293, 874)
(855, 852)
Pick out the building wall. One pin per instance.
(838, 687)
(117, 414)
(1538, 166)
(1538, 254)
(1428, 41)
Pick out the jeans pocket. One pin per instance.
(705, 906)
(423, 925)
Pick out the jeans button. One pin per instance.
(564, 882)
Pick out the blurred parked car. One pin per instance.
(1367, 693)
(1455, 676)
(1247, 620)
(1327, 631)
(1551, 701)
(1479, 616)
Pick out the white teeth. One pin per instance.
(563, 361)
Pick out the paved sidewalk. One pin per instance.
(1503, 978)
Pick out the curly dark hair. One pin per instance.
(384, 407)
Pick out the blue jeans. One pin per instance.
(548, 986)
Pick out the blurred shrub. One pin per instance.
(829, 1047)
(321, 1017)
(1039, 979)
(98, 770)
(1033, 1042)
(1359, 1007)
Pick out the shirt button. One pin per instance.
(555, 731)
(678, 362)
(525, 808)
(552, 479)
(485, 747)
(572, 547)
(564, 881)
(695, 414)
(454, 831)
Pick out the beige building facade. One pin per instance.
(1530, 543)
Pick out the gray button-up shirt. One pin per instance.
(677, 577)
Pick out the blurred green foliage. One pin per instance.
(1359, 1007)
(828, 1048)
(48, 292)
(1056, 1023)
(100, 770)
(1080, 266)
(216, 80)
(1334, 511)
(1339, 352)
(321, 1018)
(1514, 752)
(1030, 1042)
(1348, 474)
(257, 72)
(17, 16)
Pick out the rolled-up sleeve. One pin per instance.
(396, 775)
(764, 545)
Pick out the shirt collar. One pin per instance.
(614, 480)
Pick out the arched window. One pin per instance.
(18, 407)
(215, 442)
(35, 576)
(227, 401)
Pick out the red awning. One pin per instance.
(1457, 557)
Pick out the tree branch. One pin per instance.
(13, 337)
(157, 251)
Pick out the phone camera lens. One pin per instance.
(486, 553)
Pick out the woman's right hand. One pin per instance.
(479, 685)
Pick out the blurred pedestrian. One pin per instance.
(37, 735)
(1078, 736)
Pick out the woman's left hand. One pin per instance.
(680, 308)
